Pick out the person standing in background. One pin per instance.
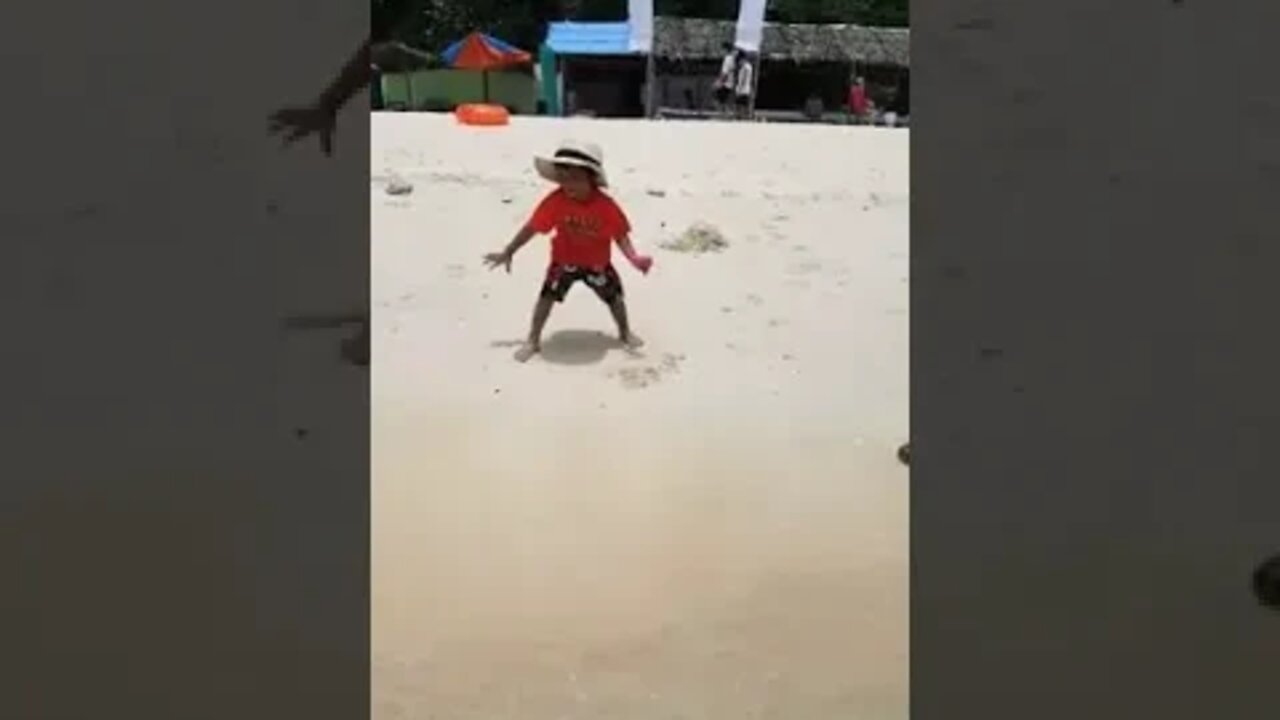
(724, 84)
(744, 86)
(859, 103)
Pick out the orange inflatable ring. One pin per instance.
(482, 114)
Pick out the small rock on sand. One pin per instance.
(399, 186)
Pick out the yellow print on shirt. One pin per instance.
(581, 226)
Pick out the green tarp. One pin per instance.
(442, 90)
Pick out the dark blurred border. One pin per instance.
(185, 515)
(1094, 366)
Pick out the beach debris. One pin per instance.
(654, 192)
(804, 268)
(904, 454)
(700, 238)
(397, 185)
(640, 377)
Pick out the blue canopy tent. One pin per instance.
(580, 40)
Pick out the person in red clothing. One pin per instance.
(586, 223)
(859, 103)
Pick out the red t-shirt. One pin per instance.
(584, 230)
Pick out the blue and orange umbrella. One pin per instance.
(482, 52)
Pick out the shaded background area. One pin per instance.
(435, 23)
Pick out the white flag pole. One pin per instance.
(640, 24)
(750, 37)
(750, 30)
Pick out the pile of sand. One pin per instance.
(700, 238)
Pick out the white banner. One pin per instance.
(750, 25)
(640, 18)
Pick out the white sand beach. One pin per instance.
(716, 530)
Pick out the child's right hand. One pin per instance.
(642, 263)
(494, 260)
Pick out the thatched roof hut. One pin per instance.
(692, 39)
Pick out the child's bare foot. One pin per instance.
(631, 342)
(526, 352)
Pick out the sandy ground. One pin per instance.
(715, 530)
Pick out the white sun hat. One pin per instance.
(574, 154)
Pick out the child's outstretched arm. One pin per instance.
(523, 236)
(320, 116)
(638, 261)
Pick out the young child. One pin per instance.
(586, 222)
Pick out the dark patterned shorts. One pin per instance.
(606, 283)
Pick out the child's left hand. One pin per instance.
(294, 124)
(642, 263)
(498, 260)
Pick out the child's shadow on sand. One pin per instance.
(571, 347)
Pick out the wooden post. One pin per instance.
(755, 85)
(651, 89)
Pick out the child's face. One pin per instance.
(577, 182)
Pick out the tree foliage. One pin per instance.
(433, 24)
